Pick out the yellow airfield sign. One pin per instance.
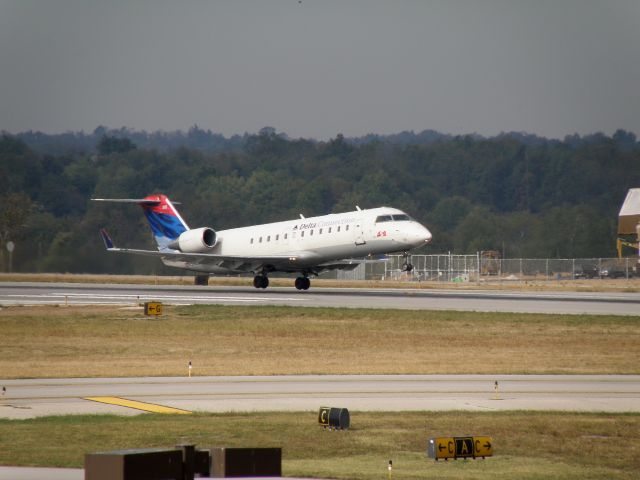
(153, 308)
(482, 446)
(459, 447)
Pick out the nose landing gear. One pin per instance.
(406, 266)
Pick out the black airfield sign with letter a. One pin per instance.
(459, 447)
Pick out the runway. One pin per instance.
(18, 293)
(602, 393)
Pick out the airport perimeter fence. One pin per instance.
(475, 268)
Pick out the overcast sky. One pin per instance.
(315, 68)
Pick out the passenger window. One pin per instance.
(302, 233)
(269, 238)
(311, 232)
(277, 237)
(320, 232)
(260, 240)
(285, 236)
(329, 229)
(338, 229)
(346, 228)
(251, 242)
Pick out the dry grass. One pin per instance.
(487, 283)
(526, 444)
(257, 340)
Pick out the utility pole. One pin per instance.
(10, 247)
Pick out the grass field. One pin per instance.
(112, 341)
(526, 445)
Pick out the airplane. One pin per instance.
(306, 246)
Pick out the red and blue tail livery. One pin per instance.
(165, 221)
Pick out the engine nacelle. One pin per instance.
(198, 240)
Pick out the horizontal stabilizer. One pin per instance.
(139, 201)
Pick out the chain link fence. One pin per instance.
(474, 268)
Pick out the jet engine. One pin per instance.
(198, 240)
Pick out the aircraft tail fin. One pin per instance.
(165, 221)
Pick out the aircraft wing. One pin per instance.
(245, 263)
(296, 261)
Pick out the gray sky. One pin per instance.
(317, 68)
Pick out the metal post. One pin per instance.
(547, 269)
(521, 274)
(626, 268)
(599, 267)
(466, 272)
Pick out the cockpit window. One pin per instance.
(384, 218)
(401, 218)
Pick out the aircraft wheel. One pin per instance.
(407, 267)
(303, 283)
(261, 281)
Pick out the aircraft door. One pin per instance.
(358, 233)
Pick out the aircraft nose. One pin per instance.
(419, 235)
(427, 235)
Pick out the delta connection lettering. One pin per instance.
(324, 223)
(305, 226)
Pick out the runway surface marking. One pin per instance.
(147, 407)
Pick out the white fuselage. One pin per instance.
(316, 240)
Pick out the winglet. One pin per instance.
(108, 243)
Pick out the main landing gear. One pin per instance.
(303, 283)
(261, 281)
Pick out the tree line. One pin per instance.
(523, 195)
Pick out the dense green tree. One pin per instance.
(109, 144)
(521, 194)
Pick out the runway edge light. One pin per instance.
(459, 447)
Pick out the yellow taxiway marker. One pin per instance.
(147, 407)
